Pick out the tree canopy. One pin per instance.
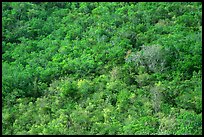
(101, 68)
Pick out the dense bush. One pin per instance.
(103, 68)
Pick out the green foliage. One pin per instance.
(190, 96)
(109, 68)
(189, 123)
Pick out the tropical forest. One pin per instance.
(101, 68)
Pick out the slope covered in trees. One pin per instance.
(101, 68)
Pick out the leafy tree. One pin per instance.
(71, 68)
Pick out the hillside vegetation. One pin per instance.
(102, 68)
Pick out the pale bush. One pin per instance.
(167, 125)
(152, 57)
(156, 97)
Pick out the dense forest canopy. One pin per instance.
(102, 68)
